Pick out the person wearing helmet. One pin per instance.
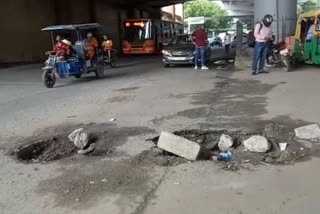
(107, 46)
(90, 46)
(263, 34)
(62, 47)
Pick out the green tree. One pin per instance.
(208, 9)
(308, 5)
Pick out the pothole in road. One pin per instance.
(208, 141)
(46, 150)
(52, 144)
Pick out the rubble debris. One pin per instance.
(88, 150)
(225, 156)
(80, 138)
(113, 119)
(104, 180)
(225, 143)
(179, 146)
(257, 143)
(232, 166)
(277, 133)
(310, 132)
(283, 146)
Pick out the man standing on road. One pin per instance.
(262, 34)
(227, 42)
(199, 38)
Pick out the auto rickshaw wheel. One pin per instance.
(100, 71)
(78, 76)
(49, 78)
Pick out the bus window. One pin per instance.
(137, 31)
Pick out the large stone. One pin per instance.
(257, 143)
(178, 146)
(225, 143)
(310, 132)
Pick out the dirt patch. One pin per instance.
(86, 183)
(53, 144)
(46, 150)
(158, 157)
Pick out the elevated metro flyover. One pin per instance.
(21, 22)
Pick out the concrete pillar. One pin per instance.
(284, 13)
(239, 41)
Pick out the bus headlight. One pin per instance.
(166, 53)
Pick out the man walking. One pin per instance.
(262, 34)
(199, 38)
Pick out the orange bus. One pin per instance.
(147, 36)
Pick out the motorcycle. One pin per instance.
(278, 56)
(112, 62)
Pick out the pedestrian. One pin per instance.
(200, 39)
(262, 34)
(227, 43)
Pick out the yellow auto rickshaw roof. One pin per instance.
(311, 13)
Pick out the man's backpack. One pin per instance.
(252, 38)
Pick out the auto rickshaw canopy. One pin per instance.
(72, 27)
(312, 13)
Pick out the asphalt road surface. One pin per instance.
(146, 98)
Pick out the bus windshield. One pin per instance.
(136, 31)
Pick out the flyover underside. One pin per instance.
(26, 43)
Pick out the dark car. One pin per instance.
(180, 50)
(217, 41)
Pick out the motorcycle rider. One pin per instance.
(107, 46)
(262, 35)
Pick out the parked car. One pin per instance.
(217, 41)
(181, 50)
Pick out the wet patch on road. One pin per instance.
(120, 99)
(127, 89)
(233, 102)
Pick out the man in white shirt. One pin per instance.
(227, 43)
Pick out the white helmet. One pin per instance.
(89, 35)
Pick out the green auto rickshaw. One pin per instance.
(306, 45)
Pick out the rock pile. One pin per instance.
(273, 144)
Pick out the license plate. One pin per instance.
(179, 58)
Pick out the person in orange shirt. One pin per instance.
(107, 46)
(90, 46)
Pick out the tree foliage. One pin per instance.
(309, 5)
(208, 9)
